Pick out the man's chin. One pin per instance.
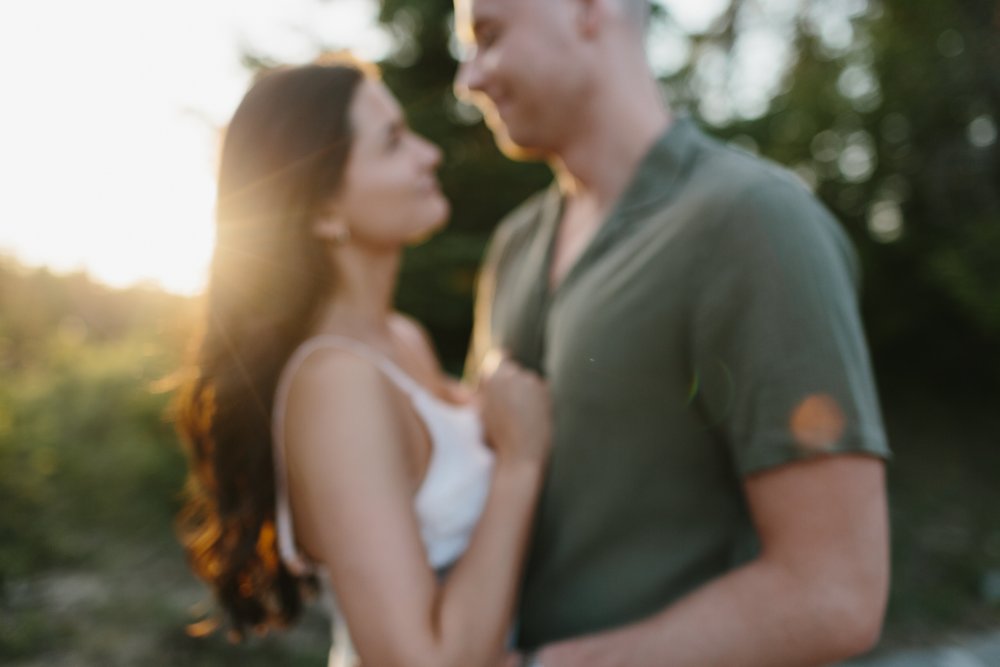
(520, 151)
(517, 152)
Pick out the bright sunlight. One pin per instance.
(110, 123)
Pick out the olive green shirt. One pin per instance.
(708, 331)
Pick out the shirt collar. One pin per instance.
(655, 181)
(659, 173)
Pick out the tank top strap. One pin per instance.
(284, 525)
(399, 377)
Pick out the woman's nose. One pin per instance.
(430, 153)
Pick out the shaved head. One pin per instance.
(636, 12)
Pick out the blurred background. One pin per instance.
(109, 126)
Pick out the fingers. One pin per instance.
(509, 660)
(515, 407)
(499, 362)
(459, 393)
(492, 361)
(512, 660)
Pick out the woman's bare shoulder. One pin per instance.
(333, 383)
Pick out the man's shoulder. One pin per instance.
(755, 208)
(743, 201)
(734, 175)
(730, 188)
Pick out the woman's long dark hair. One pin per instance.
(283, 156)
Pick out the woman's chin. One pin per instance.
(426, 232)
(440, 216)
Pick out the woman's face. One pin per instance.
(390, 193)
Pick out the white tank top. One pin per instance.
(451, 496)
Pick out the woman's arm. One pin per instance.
(352, 494)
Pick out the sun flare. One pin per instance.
(109, 141)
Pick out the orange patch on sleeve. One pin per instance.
(817, 423)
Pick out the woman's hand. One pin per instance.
(517, 413)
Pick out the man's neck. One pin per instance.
(611, 141)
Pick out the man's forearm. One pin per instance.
(760, 615)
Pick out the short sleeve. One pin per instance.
(781, 366)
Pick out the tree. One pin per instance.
(888, 108)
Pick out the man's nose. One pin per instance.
(468, 79)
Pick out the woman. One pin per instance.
(323, 436)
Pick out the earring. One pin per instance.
(341, 234)
(333, 228)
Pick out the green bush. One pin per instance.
(83, 442)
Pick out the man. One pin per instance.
(716, 493)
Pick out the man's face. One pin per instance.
(520, 68)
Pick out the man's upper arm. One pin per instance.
(788, 382)
(825, 521)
